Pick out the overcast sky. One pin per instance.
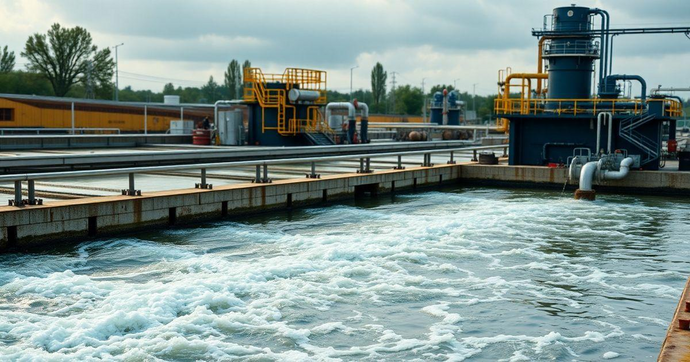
(183, 41)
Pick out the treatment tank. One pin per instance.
(570, 56)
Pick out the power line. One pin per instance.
(393, 83)
(153, 77)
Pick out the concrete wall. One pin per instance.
(77, 219)
(653, 182)
(83, 218)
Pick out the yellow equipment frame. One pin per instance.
(256, 91)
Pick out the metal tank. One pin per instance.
(570, 56)
(453, 109)
(436, 109)
(230, 127)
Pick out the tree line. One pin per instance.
(64, 62)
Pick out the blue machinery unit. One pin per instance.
(549, 123)
(445, 108)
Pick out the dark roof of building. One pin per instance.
(100, 102)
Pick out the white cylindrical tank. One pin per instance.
(230, 127)
(172, 100)
(335, 122)
(295, 95)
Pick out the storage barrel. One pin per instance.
(201, 137)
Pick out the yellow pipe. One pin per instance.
(540, 62)
(503, 126)
(538, 76)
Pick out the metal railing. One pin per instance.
(38, 130)
(261, 170)
(672, 108)
(570, 47)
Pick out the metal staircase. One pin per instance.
(319, 138)
(628, 131)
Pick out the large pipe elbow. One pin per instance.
(587, 175)
(364, 108)
(341, 105)
(643, 83)
(626, 163)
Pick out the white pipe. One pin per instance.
(215, 109)
(621, 173)
(610, 117)
(364, 108)
(587, 175)
(72, 117)
(341, 105)
(605, 117)
(146, 120)
(592, 169)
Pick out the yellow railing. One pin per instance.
(256, 90)
(672, 108)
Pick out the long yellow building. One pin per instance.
(24, 111)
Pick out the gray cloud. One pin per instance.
(444, 39)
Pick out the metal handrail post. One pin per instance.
(400, 166)
(313, 173)
(17, 193)
(451, 161)
(32, 192)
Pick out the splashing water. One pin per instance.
(485, 273)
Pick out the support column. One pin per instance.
(452, 160)
(400, 166)
(203, 184)
(131, 191)
(427, 160)
(313, 173)
(18, 194)
(32, 193)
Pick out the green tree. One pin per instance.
(6, 60)
(169, 89)
(21, 82)
(233, 78)
(408, 100)
(62, 56)
(440, 88)
(378, 86)
(210, 90)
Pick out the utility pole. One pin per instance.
(474, 98)
(117, 74)
(393, 73)
(424, 99)
(351, 69)
(455, 84)
(90, 94)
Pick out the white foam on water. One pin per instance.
(396, 281)
(610, 355)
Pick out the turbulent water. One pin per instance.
(485, 274)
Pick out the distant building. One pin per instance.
(25, 111)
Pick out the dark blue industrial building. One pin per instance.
(563, 116)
